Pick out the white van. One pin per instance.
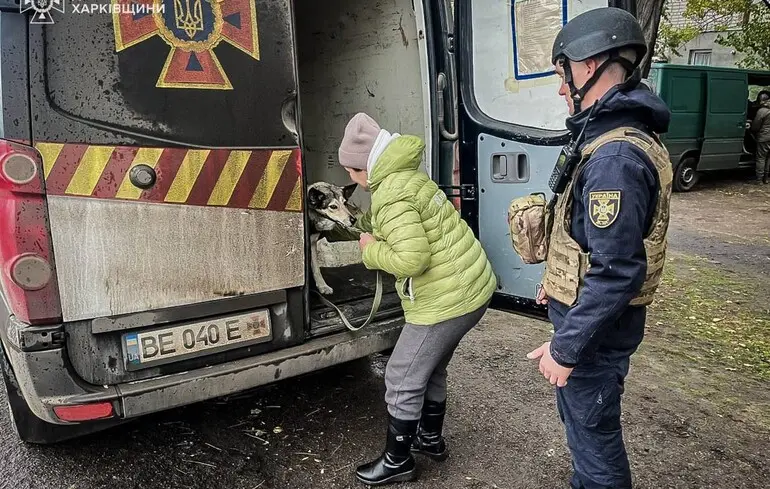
(153, 167)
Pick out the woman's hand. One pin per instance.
(365, 240)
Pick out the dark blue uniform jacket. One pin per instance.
(602, 321)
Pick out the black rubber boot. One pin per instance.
(396, 464)
(429, 440)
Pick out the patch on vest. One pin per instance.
(604, 207)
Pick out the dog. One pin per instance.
(328, 209)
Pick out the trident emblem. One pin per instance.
(193, 29)
(188, 19)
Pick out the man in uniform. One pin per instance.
(760, 126)
(607, 244)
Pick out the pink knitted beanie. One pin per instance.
(358, 141)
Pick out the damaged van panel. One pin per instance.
(117, 257)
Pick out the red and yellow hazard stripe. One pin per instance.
(259, 179)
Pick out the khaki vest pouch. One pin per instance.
(529, 222)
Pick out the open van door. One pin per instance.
(511, 123)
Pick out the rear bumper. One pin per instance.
(46, 379)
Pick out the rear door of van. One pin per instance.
(172, 171)
(511, 123)
(725, 119)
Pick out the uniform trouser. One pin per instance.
(763, 159)
(589, 406)
(417, 367)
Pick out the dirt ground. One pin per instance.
(696, 409)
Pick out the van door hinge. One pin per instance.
(466, 191)
(40, 338)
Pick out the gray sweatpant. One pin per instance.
(417, 367)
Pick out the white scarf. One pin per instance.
(384, 138)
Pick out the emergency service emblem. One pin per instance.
(193, 29)
(604, 207)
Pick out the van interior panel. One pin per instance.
(354, 57)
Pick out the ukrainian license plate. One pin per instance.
(164, 345)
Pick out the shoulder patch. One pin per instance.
(439, 197)
(604, 207)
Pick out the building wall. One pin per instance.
(720, 55)
(723, 56)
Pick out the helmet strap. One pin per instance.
(578, 94)
(574, 93)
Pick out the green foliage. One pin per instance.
(744, 25)
(753, 41)
(716, 11)
(670, 39)
(754, 91)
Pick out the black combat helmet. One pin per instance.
(598, 31)
(603, 30)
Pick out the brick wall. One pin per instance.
(676, 17)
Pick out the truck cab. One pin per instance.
(154, 165)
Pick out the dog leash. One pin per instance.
(372, 313)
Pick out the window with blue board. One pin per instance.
(535, 24)
(513, 78)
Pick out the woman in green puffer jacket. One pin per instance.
(443, 278)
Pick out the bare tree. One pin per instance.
(649, 12)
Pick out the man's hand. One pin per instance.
(555, 373)
(365, 240)
(541, 298)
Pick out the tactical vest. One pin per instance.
(567, 263)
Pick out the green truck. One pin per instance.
(710, 111)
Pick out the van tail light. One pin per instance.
(27, 269)
(84, 412)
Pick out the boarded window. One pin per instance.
(513, 79)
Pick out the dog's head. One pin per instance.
(330, 202)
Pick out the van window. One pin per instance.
(723, 96)
(686, 94)
(755, 89)
(516, 84)
(198, 72)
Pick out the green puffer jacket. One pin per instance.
(440, 268)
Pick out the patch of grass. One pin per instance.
(713, 318)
